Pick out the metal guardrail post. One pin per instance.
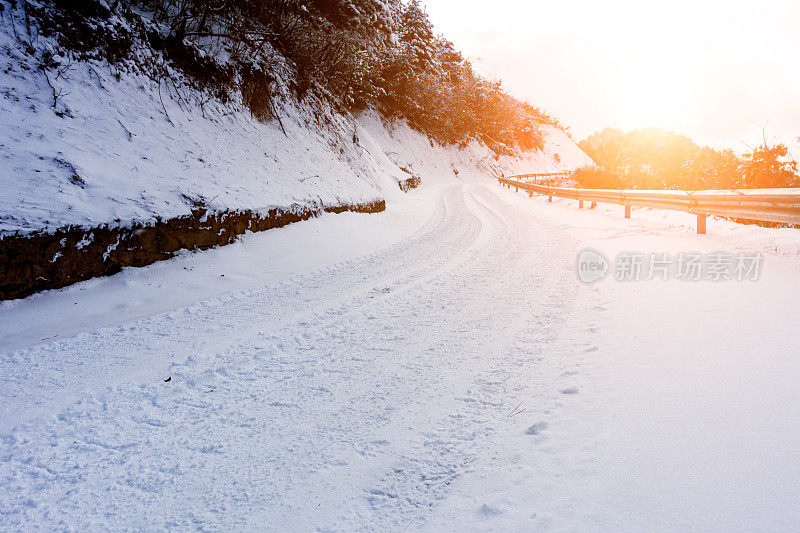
(701, 224)
(627, 211)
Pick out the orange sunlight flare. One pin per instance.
(715, 70)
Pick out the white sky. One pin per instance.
(715, 70)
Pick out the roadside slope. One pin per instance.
(103, 167)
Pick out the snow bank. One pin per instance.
(413, 152)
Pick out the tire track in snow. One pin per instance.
(407, 493)
(43, 378)
(354, 413)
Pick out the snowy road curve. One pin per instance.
(460, 377)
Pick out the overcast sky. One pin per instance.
(715, 70)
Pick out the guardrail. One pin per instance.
(768, 205)
(562, 174)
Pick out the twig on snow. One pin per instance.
(515, 411)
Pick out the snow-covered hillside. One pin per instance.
(112, 162)
(119, 147)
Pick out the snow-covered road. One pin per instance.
(451, 375)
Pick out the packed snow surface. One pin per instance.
(437, 366)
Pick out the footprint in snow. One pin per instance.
(570, 390)
(537, 428)
(488, 510)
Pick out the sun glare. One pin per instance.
(649, 97)
(711, 69)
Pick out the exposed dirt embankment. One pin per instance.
(410, 183)
(43, 261)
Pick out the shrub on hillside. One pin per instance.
(769, 166)
(658, 159)
(358, 54)
(256, 87)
